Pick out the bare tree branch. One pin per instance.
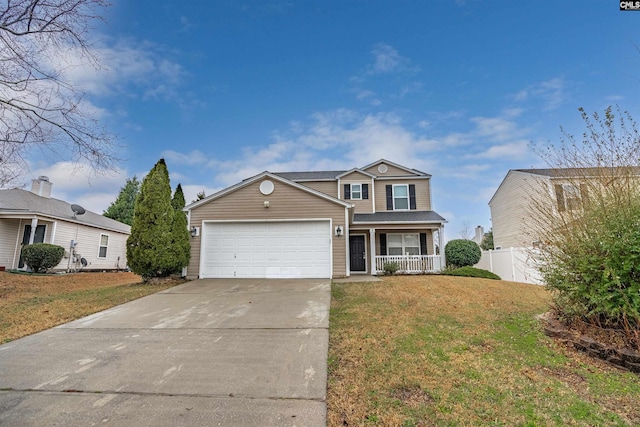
(39, 106)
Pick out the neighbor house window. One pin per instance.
(400, 197)
(403, 244)
(569, 196)
(104, 243)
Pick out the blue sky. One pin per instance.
(458, 89)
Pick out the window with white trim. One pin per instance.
(356, 191)
(104, 244)
(400, 197)
(571, 196)
(403, 244)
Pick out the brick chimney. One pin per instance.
(41, 186)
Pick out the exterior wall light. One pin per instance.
(195, 231)
(266, 204)
(339, 231)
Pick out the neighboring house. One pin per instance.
(34, 217)
(317, 224)
(512, 215)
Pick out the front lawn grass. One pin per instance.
(32, 303)
(455, 351)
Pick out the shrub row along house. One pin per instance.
(318, 224)
(91, 241)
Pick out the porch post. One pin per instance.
(34, 225)
(372, 251)
(443, 260)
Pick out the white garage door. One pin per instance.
(273, 250)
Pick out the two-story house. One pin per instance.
(317, 224)
(523, 193)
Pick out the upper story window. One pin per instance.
(356, 191)
(570, 196)
(104, 244)
(401, 197)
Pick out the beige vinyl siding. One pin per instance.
(327, 187)
(9, 237)
(286, 202)
(423, 198)
(391, 171)
(511, 209)
(88, 246)
(360, 206)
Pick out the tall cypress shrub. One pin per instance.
(149, 247)
(181, 237)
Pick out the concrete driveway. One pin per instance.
(218, 352)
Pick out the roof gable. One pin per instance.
(378, 164)
(259, 177)
(355, 171)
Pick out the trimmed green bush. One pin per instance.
(462, 253)
(471, 272)
(40, 257)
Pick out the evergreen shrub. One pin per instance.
(462, 253)
(40, 257)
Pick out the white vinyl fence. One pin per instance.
(513, 264)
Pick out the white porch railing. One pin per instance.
(411, 263)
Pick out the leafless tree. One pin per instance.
(466, 232)
(39, 106)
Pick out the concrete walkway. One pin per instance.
(208, 352)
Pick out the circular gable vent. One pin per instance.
(382, 168)
(266, 187)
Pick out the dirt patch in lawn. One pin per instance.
(31, 303)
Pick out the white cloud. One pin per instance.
(510, 150)
(388, 60)
(552, 93)
(78, 183)
(194, 157)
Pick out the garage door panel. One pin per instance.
(274, 249)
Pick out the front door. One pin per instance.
(38, 237)
(357, 255)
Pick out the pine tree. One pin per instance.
(149, 252)
(122, 208)
(180, 232)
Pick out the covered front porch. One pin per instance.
(412, 242)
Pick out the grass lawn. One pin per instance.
(32, 303)
(457, 351)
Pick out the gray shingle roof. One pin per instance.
(577, 172)
(17, 201)
(403, 216)
(296, 176)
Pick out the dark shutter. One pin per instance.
(412, 197)
(383, 244)
(423, 243)
(347, 191)
(584, 194)
(560, 198)
(389, 198)
(365, 191)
